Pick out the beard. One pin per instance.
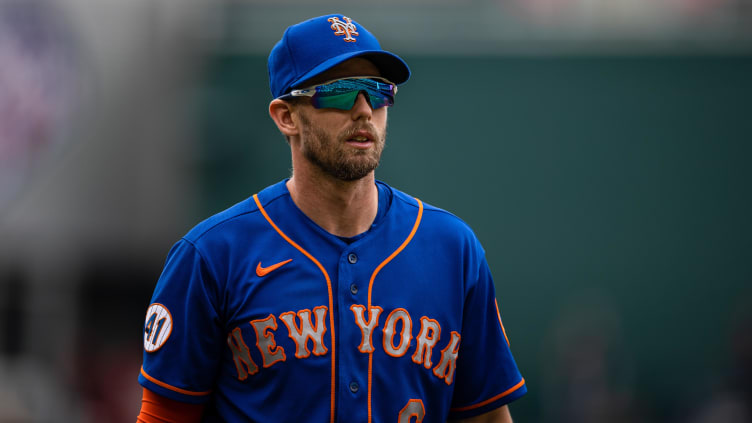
(334, 157)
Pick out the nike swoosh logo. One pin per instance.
(263, 271)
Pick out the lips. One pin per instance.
(361, 139)
(362, 136)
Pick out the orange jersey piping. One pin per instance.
(492, 399)
(173, 388)
(328, 286)
(370, 288)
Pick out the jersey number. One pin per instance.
(152, 336)
(413, 408)
(157, 328)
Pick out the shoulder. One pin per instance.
(435, 222)
(439, 237)
(237, 219)
(431, 214)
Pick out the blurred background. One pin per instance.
(599, 148)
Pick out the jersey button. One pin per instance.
(352, 258)
(354, 387)
(353, 289)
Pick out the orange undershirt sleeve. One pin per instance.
(156, 408)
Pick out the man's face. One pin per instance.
(346, 144)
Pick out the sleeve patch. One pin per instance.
(157, 328)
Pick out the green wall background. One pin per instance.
(612, 195)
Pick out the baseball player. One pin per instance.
(329, 296)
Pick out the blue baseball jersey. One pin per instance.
(266, 317)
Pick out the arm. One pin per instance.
(156, 408)
(499, 415)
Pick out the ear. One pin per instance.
(281, 113)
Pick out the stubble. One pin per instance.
(335, 157)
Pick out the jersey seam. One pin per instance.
(221, 222)
(236, 216)
(405, 198)
(211, 270)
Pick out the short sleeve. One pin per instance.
(487, 375)
(182, 332)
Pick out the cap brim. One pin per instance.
(391, 66)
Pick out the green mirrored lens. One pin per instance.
(341, 94)
(378, 101)
(343, 101)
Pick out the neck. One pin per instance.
(342, 208)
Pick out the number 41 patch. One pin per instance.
(157, 328)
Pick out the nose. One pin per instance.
(362, 107)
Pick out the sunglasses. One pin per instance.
(342, 93)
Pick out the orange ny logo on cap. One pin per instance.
(346, 28)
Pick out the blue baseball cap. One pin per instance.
(314, 46)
